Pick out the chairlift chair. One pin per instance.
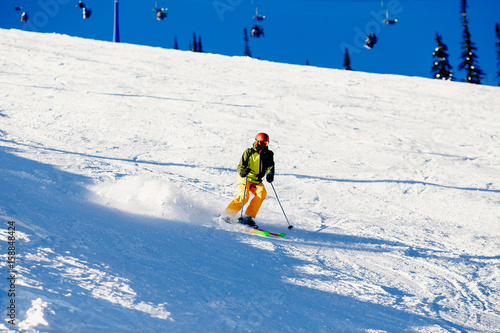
(86, 13)
(161, 10)
(17, 6)
(370, 41)
(161, 13)
(258, 29)
(257, 16)
(388, 20)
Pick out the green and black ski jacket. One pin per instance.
(259, 163)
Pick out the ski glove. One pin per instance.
(270, 178)
(244, 172)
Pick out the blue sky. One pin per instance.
(295, 31)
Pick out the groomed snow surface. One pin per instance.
(115, 158)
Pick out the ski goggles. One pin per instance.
(262, 143)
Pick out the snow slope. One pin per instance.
(115, 157)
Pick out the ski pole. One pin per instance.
(243, 203)
(290, 227)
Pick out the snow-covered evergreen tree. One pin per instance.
(441, 68)
(347, 61)
(468, 56)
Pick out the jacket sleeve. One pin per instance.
(244, 160)
(270, 168)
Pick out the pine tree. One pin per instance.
(176, 45)
(441, 68)
(200, 47)
(497, 30)
(469, 58)
(194, 46)
(347, 61)
(247, 52)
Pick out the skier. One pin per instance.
(254, 164)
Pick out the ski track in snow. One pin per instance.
(116, 157)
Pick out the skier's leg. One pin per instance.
(235, 206)
(260, 194)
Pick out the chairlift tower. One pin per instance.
(116, 31)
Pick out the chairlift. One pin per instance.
(370, 41)
(161, 11)
(258, 29)
(17, 7)
(388, 20)
(24, 17)
(257, 16)
(86, 12)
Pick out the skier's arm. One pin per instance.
(270, 168)
(243, 161)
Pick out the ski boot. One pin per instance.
(248, 220)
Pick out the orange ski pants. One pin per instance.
(259, 192)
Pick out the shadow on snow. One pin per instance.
(102, 269)
(337, 180)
